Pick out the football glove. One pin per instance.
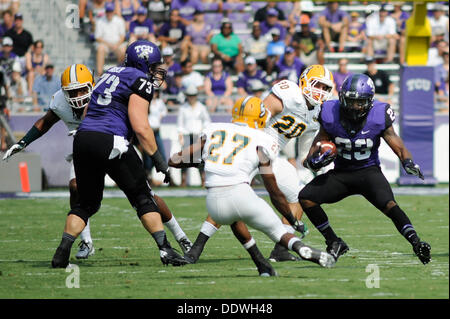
(412, 168)
(317, 160)
(13, 150)
(161, 165)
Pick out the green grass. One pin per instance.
(127, 265)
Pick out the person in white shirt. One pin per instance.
(232, 154)
(381, 34)
(191, 77)
(193, 117)
(439, 22)
(110, 37)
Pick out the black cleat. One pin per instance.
(265, 269)
(61, 258)
(193, 254)
(422, 250)
(169, 256)
(185, 244)
(281, 253)
(337, 248)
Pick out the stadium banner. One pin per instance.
(417, 120)
(56, 144)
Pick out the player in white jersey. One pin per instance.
(232, 153)
(69, 104)
(293, 111)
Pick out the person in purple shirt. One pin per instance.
(289, 66)
(218, 87)
(118, 110)
(252, 72)
(142, 27)
(334, 23)
(356, 123)
(172, 32)
(187, 9)
(340, 75)
(271, 23)
(170, 64)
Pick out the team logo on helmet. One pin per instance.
(143, 51)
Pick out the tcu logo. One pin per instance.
(143, 51)
(418, 84)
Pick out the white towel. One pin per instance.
(120, 147)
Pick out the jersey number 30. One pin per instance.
(213, 154)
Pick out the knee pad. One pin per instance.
(83, 213)
(145, 204)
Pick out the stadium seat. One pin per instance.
(210, 6)
(233, 6)
(240, 17)
(257, 5)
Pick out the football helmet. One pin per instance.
(356, 96)
(76, 78)
(146, 57)
(249, 110)
(310, 80)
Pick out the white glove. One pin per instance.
(13, 150)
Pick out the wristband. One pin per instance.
(33, 134)
(160, 162)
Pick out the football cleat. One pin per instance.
(61, 258)
(169, 256)
(185, 244)
(265, 269)
(316, 256)
(86, 249)
(302, 229)
(337, 248)
(281, 253)
(193, 254)
(422, 250)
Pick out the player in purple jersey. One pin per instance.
(355, 123)
(119, 109)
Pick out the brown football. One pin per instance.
(328, 145)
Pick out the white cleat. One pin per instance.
(86, 249)
(316, 256)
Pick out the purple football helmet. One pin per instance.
(356, 96)
(146, 57)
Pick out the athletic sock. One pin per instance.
(256, 255)
(208, 229)
(403, 224)
(86, 233)
(175, 228)
(67, 241)
(319, 219)
(161, 239)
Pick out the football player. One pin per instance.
(232, 154)
(356, 123)
(293, 113)
(119, 109)
(67, 104)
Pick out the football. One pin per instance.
(328, 145)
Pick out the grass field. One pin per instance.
(127, 265)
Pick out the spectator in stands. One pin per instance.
(256, 46)
(174, 88)
(272, 23)
(218, 87)
(191, 77)
(258, 89)
(289, 66)
(261, 14)
(8, 22)
(4, 94)
(228, 46)
(11, 5)
(193, 117)
(308, 46)
(96, 11)
(275, 49)
(110, 37)
(382, 34)
(128, 10)
(158, 110)
(252, 72)
(196, 43)
(439, 22)
(334, 24)
(441, 77)
(380, 78)
(340, 75)
(356, 33)
(158, 10)
(436, 54)
(22, 39)
(142, 27)
(35, 59)
(170, 64)
(7, 57)
(400, 16)
(44, 87)
(172, 32)
(18, 88)
(186, 9)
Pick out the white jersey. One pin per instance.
(295, 119)
(230, 153)
(63, 110)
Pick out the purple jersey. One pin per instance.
(285, 70)
(218, 86)
(187, 7)
(143, 28)
(357, 150)
(108, 108)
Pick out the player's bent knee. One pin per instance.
(391, 204)
(145, 204)
(83, 213)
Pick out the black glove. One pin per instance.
(317, 160)
(161, 165)
(412, 168)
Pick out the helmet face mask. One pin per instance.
(317, 84)
(157, 75)
(356, 97)
(251, 111)
(77, 83)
